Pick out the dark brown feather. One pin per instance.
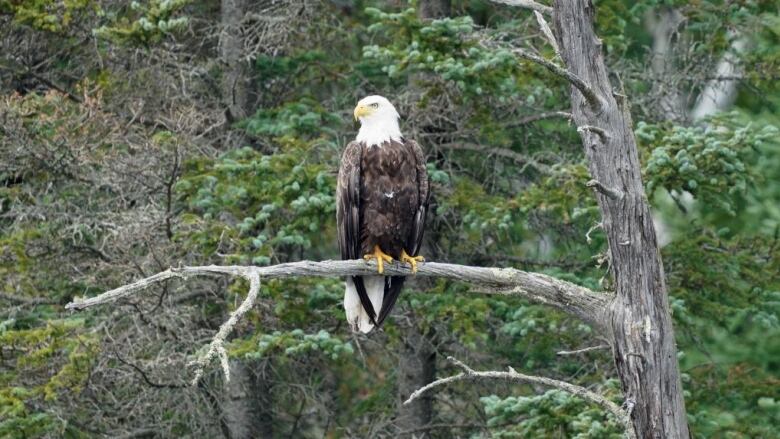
(418, 179)
(348, 217)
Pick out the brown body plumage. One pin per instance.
(390, 196)
(382, 198)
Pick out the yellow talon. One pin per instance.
(381, 257)
(412, 260)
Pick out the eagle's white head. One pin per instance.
(378, 121)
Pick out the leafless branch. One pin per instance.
(587, 91)
(547, 32)
(512, 375)
(540, 288)
(595, 227)
(217, 345)
(527, 4)
(584, 350)
(609, 192)
(593, 99)
(601, 132)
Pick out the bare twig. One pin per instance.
(25, 70)
(143, 374)
(609, 192)
(586, 90)
(512, 375)
(595, 227)
(547, 32)
(217, 345)
(593, 129)
(584, 350)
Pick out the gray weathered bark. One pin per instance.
(641, 327)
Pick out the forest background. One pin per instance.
(136, 136)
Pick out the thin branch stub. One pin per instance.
(547, 32)
(601, 132)
(612, 193)
(583, 350)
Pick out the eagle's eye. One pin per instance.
(374, 105)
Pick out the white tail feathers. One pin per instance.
(357, 317)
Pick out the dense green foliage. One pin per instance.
(116, 165)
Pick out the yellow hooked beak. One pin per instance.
(362, 110)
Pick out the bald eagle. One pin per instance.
(382, 198)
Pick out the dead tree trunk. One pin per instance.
(235, 71)
(664, 24)
(417, 369)
(432, 9)
(641, 326)
(247, 401)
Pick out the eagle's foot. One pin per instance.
(381, 257)
(412, 260)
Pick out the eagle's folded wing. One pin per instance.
(348, 216)
(415, 238)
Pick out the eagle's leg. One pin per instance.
(412, 260)
(381, 257)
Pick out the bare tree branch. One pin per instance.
(586, 90)
(593, 99)
(584, 350)
(527, 4)
(547, 32)
(217, 345)
(609, 192)
(565, 296)
(512, 375)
